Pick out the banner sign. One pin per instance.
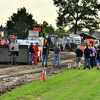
(35, 28)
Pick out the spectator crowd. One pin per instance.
(91, 55)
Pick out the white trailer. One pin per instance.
(74, 39)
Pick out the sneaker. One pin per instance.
(31, 64)
(73, 67)
(87, 66)
(84, 68)
(97, 68)
(92, 67)
(46, 66)
(78, 68)
(58, 66)
(42, 65)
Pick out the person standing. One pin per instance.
(45, 54)
(98, 57)
(92, 56)
(2, 42)
(79, 54)
(6, 43)
(63, 46)
(36, 49)
(95, 55)
(32, 57)
(66, 47)
(56, 55)
(87, 53)
(75, 46)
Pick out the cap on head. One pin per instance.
(36, 42)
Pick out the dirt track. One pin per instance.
(12, 76)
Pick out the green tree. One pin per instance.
(61, 31)
(47, 28)
(78, 14)
(19, 22)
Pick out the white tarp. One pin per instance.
(28, 42)
(33, 33)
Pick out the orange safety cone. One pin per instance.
(43, 77)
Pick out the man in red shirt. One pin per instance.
(36, 53)
(2, 42)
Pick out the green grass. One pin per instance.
(71, 84)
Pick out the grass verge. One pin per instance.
(71, 84)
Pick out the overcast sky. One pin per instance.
(42, 10)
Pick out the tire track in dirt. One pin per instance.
(12, 76)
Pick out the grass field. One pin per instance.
(71, 84)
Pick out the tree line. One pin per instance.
(75, 14)
(19, 23)
(78, 14)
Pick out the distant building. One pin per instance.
(86, 35)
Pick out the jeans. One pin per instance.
(45, 56)
(56, 56)
(32, 57)
(66, 48)
(63, 48)
(74, 49)
(87, 60)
